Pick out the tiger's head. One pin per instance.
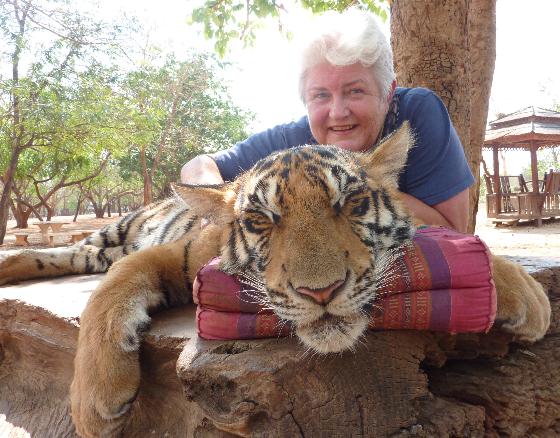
(313, 228)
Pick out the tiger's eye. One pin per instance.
(361, 207)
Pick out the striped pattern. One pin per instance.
(156, 224)
(444, 283)
(271, 190)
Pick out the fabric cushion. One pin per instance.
(443, 283)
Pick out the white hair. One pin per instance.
(348, 38)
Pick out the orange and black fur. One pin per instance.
(313, 229)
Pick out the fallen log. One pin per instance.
(396, 383)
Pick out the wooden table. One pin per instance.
(54, 226)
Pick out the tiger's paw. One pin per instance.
(106, 369)
(94, 417)
(104, 386)
(523, 306)
(529, 318)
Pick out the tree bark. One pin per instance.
(21, 213)
(17, 130)
(147, 176)
(482, 52)
(5, 199)
(449, 47)
(99, 210)
(78, 205)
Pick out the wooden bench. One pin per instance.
(21, 238)
(52, 237)
(44, 226)
(79, 235)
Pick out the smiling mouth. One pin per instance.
(342, 128)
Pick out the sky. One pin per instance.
(527, 70)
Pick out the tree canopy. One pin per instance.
(227, 20)
(77, 103)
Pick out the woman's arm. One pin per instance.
(451, 213)
(201, 170)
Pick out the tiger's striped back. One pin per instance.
(156, 224)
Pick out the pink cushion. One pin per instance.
(444, 284)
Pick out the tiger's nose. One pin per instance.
(323, 295)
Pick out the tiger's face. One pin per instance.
(313, 228)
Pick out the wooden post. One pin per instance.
(497, 186)
(535, 177)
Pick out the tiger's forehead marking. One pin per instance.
(326, 167)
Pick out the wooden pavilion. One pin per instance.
(529, 129)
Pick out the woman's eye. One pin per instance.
(318, 95)
(356, 91)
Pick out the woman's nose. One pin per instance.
(339, 108)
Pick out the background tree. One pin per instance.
(108, 188)
(548, 159)
(448, 46)
(176, 112)
(47, 44)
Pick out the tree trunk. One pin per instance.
(50, 211)
(99, 209)
(78, 205)
(147, 177)
(21, 214)
(450, 47)
(6, 192)
(16, 214)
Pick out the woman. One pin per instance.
(348, 86)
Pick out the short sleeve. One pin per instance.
(436, 168)
(243, 155)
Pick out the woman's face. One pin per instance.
(344, 105)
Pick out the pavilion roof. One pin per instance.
(519, 130)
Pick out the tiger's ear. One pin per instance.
(388, 159)
(213, 202)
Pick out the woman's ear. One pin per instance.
(392, 91)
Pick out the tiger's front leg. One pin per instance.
(106, 366)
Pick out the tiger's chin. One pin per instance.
(332, 334)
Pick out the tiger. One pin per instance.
(312, 227)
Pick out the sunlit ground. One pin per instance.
(524, 240)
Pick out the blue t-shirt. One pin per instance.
(436, 168)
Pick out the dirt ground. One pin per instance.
(523, 240)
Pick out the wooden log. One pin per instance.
(398, 384)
